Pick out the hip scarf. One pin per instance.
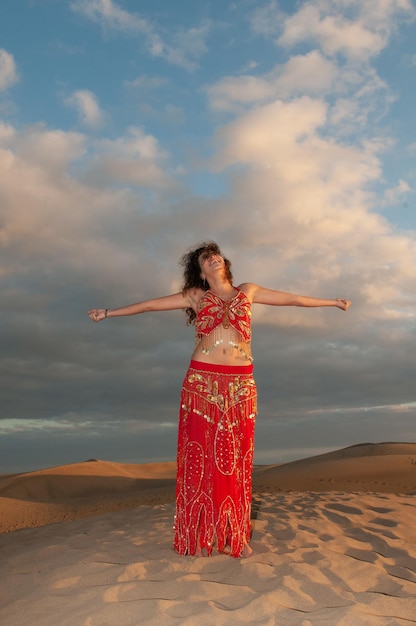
(215, 458)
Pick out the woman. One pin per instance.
(218, 401)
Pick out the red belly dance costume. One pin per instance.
(216, 435)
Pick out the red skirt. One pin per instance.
(215, 458)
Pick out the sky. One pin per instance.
(132, 131)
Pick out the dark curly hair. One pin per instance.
(192, 271)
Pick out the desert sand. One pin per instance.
(334, 538)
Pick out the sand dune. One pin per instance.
(95, 487)
(81, 490)
(382, 467)
(334, 539)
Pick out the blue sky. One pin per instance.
(131, 131)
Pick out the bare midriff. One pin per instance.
(223, 346)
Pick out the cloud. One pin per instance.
(338, 70)
(267, 19)
(348, 27)
(73, 206)
(356, 95)
(305, 164)
(38, 213)
(187, 46)
(147, 83)
(394, 195)
(92, 220)
(311, 197)
(135, 158)
(363, 99)
(184, 49)
(109, 15)
(8, 70)
(87, 107)
(334, 33)
(307, 74)
(150, 103)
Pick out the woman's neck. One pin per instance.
(221, 287)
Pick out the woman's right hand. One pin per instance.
(96, 315)
(343, 304)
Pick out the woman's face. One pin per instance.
(210, 260)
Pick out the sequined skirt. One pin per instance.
(215, 458)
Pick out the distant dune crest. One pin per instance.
(95, 487)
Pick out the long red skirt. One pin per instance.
(215, 458)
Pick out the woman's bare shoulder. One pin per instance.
(194, 295)
(249, 289)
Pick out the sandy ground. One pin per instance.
(334, 541)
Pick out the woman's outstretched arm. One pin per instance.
(165, 303)
(261, 295)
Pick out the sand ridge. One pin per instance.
(382, 467)
(94, 487)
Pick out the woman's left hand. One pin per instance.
(96, 315)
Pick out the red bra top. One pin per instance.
(213, 311)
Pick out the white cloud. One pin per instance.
(6, 132)
(363, 100)
(8, 70)
(73, 204)
(87, 107)
(356, 94)
(135, 158)
(395, 194)
(109, 15)
(41, 204)
(232, 90)
(88, 221)
(307, 74)
(147, 83)
(184, 49)
(351, 27)
(335, 33)
(188, 46)
(309, 198)
(268, 19)
(262, 136)
(356, 97)
(51, 151)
